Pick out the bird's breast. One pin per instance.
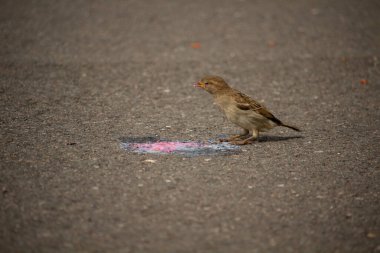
(232, 112)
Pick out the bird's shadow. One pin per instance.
(274, 138)
(153, 139)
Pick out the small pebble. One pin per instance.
(371, 235)
(150, 161)
(315, 11)
(4, 190)
(363, 81)
(348, 215)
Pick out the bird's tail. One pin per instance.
(291, 127)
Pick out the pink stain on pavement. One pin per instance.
(166, 147)
(152, 145)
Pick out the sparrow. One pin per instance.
(241, 110)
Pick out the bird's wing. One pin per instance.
(244, 107)
(244, 102)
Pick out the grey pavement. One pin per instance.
(76, 76)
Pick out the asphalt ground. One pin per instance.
(76, 77)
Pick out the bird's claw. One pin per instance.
(233, 138)
(243, 142)
(240, 143)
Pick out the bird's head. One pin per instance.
(212, 84)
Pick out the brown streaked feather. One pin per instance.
(244, 102)
(244, 107)
(244, 99)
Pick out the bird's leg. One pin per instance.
(255, 135)
(232, 138)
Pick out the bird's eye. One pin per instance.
(206, 83)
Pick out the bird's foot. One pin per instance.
(244, 142)
(241, 142)
(233, 138)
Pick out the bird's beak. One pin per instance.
(200, 84)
